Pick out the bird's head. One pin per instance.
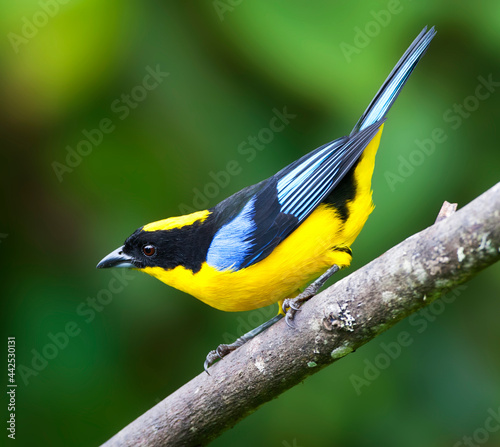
(164, 243)
(139, 251)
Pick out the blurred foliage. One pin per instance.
(230, 64)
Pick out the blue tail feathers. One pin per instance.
(396, 80)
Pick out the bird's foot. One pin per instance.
(291, 306)
(221, 352)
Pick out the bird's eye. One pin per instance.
(149, 250)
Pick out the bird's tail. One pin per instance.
(390, 89)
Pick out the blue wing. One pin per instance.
(304, 184)
(281, 203)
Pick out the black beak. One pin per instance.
(116, 258)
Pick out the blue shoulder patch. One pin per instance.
(233, 241)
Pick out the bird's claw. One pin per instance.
(210, 360)
(289, 317)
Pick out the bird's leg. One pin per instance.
(291, 305)
(223, 350)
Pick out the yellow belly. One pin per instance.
(301, 257)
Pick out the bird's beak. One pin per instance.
(117, 258)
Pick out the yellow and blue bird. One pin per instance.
(264, 243)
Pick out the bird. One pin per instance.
(265, 243)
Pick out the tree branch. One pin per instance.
(331, 325)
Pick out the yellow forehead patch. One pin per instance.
(177, 222)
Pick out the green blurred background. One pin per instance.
(230, 63)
